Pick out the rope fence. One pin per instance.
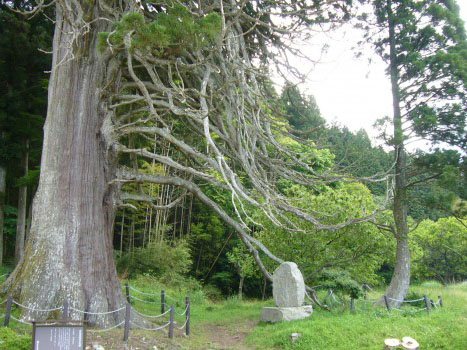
(149, 329)
(143, 293)
(20, 321)
(429, 304)
(36, 309)
(126, 323)
(150, 316)
(184, 312)
(106, 329)
(146, 301)
(97, 313)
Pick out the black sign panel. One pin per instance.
(59, 337)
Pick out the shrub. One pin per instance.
(340, 281)
(9, 340)
(212, 292)
(168, 262)
(412, 295)
(178, 290)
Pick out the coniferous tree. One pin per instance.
(162, 72)
(424, 46)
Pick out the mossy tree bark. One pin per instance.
(69, 254)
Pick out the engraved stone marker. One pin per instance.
(59, 337)
(288, 287)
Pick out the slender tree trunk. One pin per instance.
(400, 281)
(240, 287)
(29, 217)
(69, 254)
(22, 208)
(190, 210)
(2, 204)
(174, 229)
(121, 232)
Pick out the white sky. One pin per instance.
(350, 90)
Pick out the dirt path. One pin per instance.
(229, 337)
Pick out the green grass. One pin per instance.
(10, 339)
(444, 328)
(367, 328)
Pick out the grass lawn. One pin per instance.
(444, 328)
(233, 324)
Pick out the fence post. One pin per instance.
(427, 303)
(162, 301)
(127, 289)
(126, 332)
(352, 305)
(188, 313)
(386, 301)
(65, 310)
(171, 324)
(440, 300)
(9, 302)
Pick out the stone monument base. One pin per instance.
(277, 314)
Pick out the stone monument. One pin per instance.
(288, 290)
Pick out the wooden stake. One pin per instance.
(427, 303)
(126, 332)
(171, 324)
(441, 303)
(127, 289)
(9, 302)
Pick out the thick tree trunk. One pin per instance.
(2, 203)
(69, 254)
(22, 208)
(400, 281)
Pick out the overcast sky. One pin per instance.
(350, 90)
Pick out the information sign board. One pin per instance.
(59, 336)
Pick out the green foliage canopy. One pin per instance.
(442, 250)
(358, 249)
(431, 59)
(175, 30)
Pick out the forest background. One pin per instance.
(187, 243)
